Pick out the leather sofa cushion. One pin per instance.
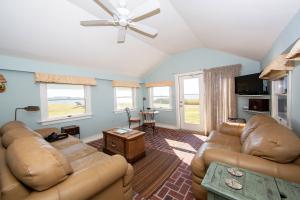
(10, 126)
(10, 136)
(36, 163)
(253, 123)
(273, 142)
(77, 151)
(10, 187)
(227, 140)
(65, 143)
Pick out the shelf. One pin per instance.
(280, 94)
(257, 112)
(256, 96)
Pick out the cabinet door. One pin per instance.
(115, 144)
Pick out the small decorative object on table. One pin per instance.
(235, 171)
(234, 184)
(2, 83)
(71, 130)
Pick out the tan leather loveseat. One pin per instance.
(262, 145)
(32, 168)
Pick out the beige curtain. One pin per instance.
(220, 98)
(62, 79)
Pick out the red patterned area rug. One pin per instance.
(183, 144)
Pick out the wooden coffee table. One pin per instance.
(131, 145)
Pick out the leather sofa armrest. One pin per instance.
(234, 129)
(128, 176)
(45, 132)
(290, 172)
(88, 182)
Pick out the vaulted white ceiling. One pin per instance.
(50, 30)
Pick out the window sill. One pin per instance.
(65, 119)
(123, 111)
(164, 109)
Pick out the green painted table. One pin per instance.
(256, 186)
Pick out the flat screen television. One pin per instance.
(251, 85)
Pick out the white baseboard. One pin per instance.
(92, 138)
(169, 126)
(158, 125)
(100, 135)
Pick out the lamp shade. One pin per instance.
(32, 108)
(2, 79)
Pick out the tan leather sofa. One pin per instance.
(33, 169)
(262, 145)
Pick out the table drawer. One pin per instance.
(115, 145)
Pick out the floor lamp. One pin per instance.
(28, 108)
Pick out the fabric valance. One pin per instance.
(295, 52)
(131, 84)
(63, 79)
(159, 84)
(278, 68)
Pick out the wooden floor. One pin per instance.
(180, 143)
(152, 171)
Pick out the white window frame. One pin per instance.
(286, 122)
(150, 92)
(133, 100)
(45, 120)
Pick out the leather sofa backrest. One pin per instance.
(36, 163)
(11, 135)
(10, 126)
(10, 187)
(253, 123)
(273, 142)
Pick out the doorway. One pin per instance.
(190, 101)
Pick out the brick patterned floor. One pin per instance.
(184, 144)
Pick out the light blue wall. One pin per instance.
(195, 60)
(288, 36)
(23, 91)
(30, 65)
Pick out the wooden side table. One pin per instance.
(255, 186)
(71, 130)
(131, 145)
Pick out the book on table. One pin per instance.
(122, 130)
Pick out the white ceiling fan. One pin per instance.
(123, 18)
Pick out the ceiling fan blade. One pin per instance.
(108, 6)
(121, 34)
(148, 7)
(101, 22)
(143, 28)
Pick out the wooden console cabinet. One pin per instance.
(131, 145)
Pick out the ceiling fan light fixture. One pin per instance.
(123, 18)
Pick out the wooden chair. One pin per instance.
(132, 119)
(149, 121)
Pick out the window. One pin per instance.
(160, 97)
(281, 100)
(62, 101)
(125, 98)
